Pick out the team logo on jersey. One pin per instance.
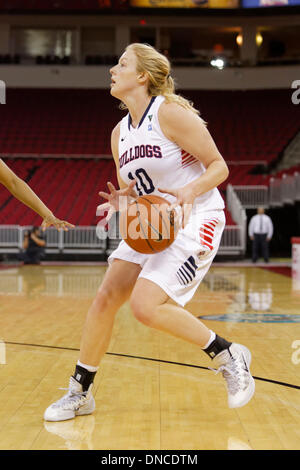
(140, 151)
(187, 272)
(150, 119)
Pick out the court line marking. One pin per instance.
(152, 359)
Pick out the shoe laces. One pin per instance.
(71, 400)
(234, 374)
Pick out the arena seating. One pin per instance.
(287, 171)
(241, 175)
(75, 125)
(58, 122)
(68, 187)
(247, 126)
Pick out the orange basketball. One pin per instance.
(148, 225)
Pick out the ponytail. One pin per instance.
(158, 68)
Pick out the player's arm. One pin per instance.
(20, 190)
(189, 132)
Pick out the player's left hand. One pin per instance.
(185, 197)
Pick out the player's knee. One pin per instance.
(102, 301)
(141, 311)
(107, 298)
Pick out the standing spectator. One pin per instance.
(260, 232)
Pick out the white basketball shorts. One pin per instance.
(179, 269)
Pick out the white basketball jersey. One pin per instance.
(147, 156)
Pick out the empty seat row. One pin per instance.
(247, 126)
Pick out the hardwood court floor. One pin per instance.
(153, 391)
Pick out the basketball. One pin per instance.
(148, 225)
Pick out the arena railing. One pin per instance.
(92, 240)
(238, 214)
(252, 197)
(288, 189)
(233, 240)
(275, 198)
(77, 240)
(284, 189)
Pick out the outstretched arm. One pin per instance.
(20, 190)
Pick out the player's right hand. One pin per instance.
(114, 199)
(57, 223)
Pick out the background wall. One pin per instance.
(76, 76)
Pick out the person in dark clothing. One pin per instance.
(34, 245)
(260, 232)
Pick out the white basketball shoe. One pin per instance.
(74, 403)
(234, 363)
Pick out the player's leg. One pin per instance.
(115, 289)
(149, 305)
(176, 273)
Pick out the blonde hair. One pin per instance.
(158, 69)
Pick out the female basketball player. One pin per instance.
(185, 167)
(24, 193)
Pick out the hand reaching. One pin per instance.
(184, 199)
(57, 223)
(113, 198)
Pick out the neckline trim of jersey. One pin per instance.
(144, 115)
